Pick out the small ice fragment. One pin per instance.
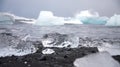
(48, 51)
(25, 62)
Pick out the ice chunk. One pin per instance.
(102, 59)
(60, 40)
(14, 45)
(10, 50)
(48, 51)
(112, 49)
(94, 20)
(72, 21)
(113, 21)
(47, 18)
(91, 17)
(6, 18)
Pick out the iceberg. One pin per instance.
(6, 18)
(102, 59)
(91, 17)
(113, 21)
(72, 21)
(46, 18)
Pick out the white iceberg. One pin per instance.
(91, 17)
(113, 21)
(102, 59)
(87, 13)
(6, 18)
(47, 18)
(72, 21)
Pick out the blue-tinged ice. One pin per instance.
(6, 18)
(47, 18)
(91, 17)
(113, 21)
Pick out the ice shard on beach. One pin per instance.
(13, 45)
(102, 59)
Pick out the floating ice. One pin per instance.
(113, 21)
(87, 13)
(91, 17)
(48, 51)
(72, 21)
(94, 20)
(46, 18)
(6, 18)
(102, 59)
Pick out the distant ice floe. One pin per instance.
(113, 21)
(47, 18)
(8, 18)
(91, 17)
(101, 59)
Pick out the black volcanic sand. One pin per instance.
(63, 57)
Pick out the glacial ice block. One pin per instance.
(46, 18)
(102, 59)
(91, 17)
(14, 45)
(6, 18)
(113, 21)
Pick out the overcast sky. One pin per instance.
(31, 8)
